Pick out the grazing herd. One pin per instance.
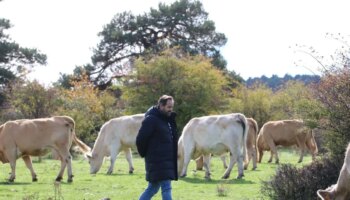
(230, 134)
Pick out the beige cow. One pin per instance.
(35, 137)
(115, 135)
(285, 133)
(341, 190)
(251, 147)
(215, 134)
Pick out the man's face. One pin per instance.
(167, 108)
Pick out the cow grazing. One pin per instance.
(251, 147)
(285, 133)
(35, 137)
(341, 190)
(215, 134)
(115, 135)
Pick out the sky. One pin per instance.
(264, 36)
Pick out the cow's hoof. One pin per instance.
(254, 168)
(131, 171)
(207, 178)
(58, 179)
(269, 161)
(34, 179)
(225, 177)
(277, 162)
(70, 179)
(300, 161)
(109, 172)
(183, 176)
(11, 180)
(240, 176)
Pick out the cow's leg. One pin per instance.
(254, 157)
(249, 154)
(187, 159)
(28, 161)
(69, 168)
(301, 156)
(115, 149)
(63, 158)
(233, 159)
(271, 157)
(12, 156)
(199, 163)
(13, 170)
(302, 147)
(240, 163)
(261, 154)
(128, 157)
(223, 159)
(206, 161)
(273, 150)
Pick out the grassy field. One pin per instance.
(122, 186)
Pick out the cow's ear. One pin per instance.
(324, 194)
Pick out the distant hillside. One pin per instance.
(276, 82)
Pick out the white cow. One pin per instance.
(251, 147)
(214, 134)
(115, 135)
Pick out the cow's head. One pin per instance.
(332, 193)
(324, 194)
(95, 162)
(311, 143)
(327, 194)
(180, 156)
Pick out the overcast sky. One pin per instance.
(262, 34)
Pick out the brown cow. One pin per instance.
(251, 147)
(341, 190)
(285, 133)
(35, 137)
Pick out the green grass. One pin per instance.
(121, 185)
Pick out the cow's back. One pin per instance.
(31, 135)
(283, 132)
(129, 128)
(122, 129)
(214, 132)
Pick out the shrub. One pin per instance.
(295, 183)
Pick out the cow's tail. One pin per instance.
(243, 121)
(82, 146)
(256, 128)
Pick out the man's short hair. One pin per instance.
(164, 99)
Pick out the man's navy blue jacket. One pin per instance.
(157, 143)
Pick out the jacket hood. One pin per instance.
(154, 110)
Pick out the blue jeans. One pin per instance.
(153, 188)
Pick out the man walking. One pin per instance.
(157, 143)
